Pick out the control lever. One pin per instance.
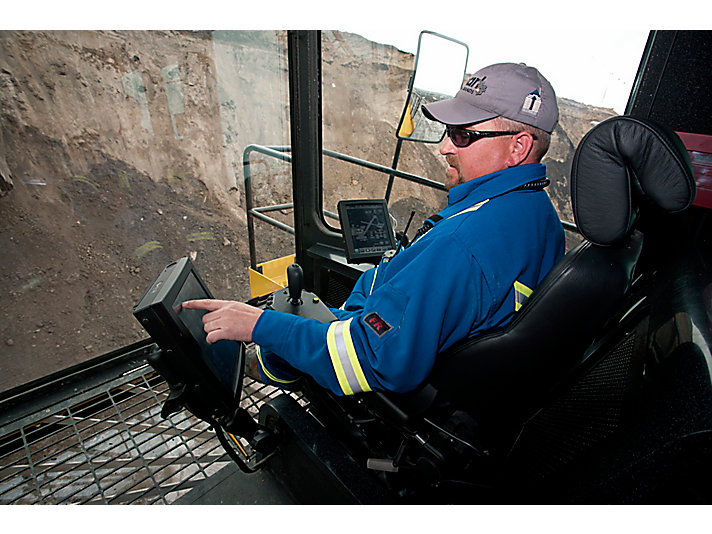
(296, 301)
(295, 283)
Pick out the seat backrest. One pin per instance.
(621, 165)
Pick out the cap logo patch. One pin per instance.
(475, 85)
(378, 325)
(532, 103)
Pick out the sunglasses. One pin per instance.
(462, 138)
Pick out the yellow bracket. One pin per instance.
(270, 276)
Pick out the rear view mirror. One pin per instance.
(440, 65)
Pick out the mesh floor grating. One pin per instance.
(113, 446)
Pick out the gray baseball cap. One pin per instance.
(510, 90)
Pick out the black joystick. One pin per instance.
(295, 282)
(296, 301)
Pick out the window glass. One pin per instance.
(365, 88)
(124, 152)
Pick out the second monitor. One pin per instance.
(367, 228)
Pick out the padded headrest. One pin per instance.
(618, 160)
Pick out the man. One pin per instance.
(469, 269)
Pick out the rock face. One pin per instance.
(122, 151)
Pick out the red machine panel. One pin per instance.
(700, 149)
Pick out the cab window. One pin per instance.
(365, 88)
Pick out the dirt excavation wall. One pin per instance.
(122, 151)
(121, 162)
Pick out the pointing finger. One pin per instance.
(202, 304)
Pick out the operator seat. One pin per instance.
(623, 169)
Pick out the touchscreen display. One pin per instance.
(369, 228)
(222, 356)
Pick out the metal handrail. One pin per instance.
(281, 152)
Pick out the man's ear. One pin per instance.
(520, 149)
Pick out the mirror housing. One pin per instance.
(440, 67)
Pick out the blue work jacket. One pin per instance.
(485, 253)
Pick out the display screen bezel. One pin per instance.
(183, 341)
(354, 253)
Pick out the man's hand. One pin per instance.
(226, 319)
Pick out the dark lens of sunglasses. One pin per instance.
(460, 138)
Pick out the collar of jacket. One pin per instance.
(492, 185)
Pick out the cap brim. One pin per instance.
(456, 112)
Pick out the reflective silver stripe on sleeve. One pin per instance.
(344, 359)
